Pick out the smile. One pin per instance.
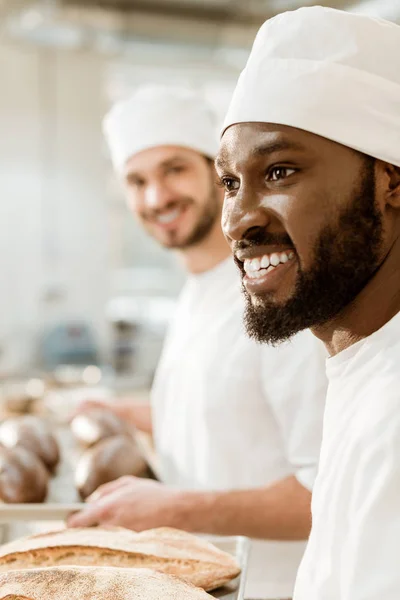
(168, 217)
(258, 267)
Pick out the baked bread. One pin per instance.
(84, 583)
(96, 424)
(167, 550)
(108, 460)
(23, 477)
(34, 434)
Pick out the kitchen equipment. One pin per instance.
(239, 547)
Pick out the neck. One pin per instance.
(374, 306)
(207, 254)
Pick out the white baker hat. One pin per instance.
(329, 72)
(156, 116)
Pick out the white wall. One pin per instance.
(54, 203)
(64, 230)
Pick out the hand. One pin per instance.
(137, 414)
(133, 503)
(115, 406)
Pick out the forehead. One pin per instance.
(157, 157)
(249, 142)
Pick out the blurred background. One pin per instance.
(80, 284)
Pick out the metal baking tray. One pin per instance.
(239, 547)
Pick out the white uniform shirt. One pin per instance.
(232, 414)
(354, 548)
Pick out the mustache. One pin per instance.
(262, 238)
(171, 205)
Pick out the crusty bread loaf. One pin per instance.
(92, 583)
(96, 424)
(34, 434)
(108, 460)
(167, 550)
(23, 477)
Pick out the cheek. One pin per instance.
(135, 204)
(191, 187)
(304, 216)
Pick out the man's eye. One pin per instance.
(230, 184)
(278, 173)
(135, 183)
(176, 169)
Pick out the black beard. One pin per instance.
(345, 258)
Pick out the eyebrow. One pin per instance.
(276, 146)
(264, 150)
(166, 163)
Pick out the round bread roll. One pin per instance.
(34, 434)
(108, 460)
(95, 425)
(23, 477)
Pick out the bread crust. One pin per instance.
(108, 460)
(33, 434)
(165, 550)
(84, 583)
(23, 476)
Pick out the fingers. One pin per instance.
(86, 405)
(90, 516)
(108, 488)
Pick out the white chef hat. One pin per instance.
(157, 116)
(329, 72)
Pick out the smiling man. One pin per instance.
(237, 426)
(310, 161)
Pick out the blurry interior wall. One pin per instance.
(65, 232)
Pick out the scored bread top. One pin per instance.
(106, 583)
(163, 542)
(164, 549)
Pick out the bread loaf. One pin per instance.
(95, 425)
(108, 460)
(34, 434)
(84, 583)
(23, 477)
(167, 550)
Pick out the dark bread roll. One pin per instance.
(110, 459)
(95, 425)
(23, 477)
(34, 434)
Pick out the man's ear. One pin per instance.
(392, 174)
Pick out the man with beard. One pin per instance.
(310, 161)
(237, 426)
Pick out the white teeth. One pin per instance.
(257, 267)
(284, 258)
(168, 217)
(265, 262)
(274, 259)
(257, 274)
(247, 266)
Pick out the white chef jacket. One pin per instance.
(354, 547)
(232, 414)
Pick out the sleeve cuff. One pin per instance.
(306, 476)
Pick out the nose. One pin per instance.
(241, 221)
(157, 196)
